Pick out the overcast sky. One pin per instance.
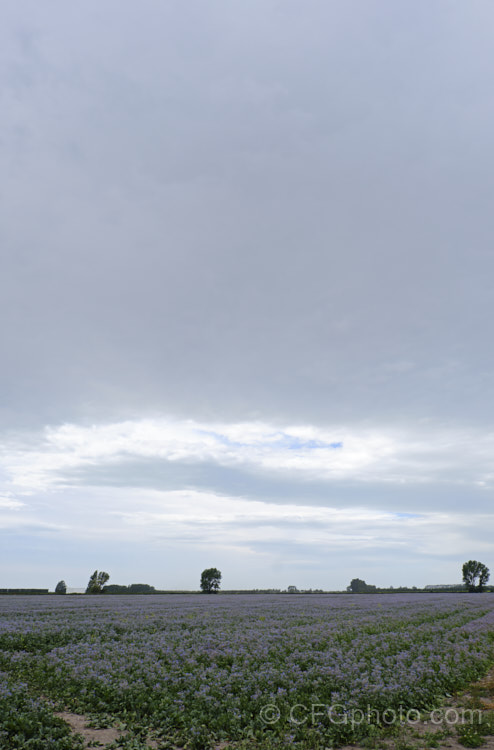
(246, 291)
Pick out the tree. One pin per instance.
(210, 580)
(357, 586)
(140, 588)
(473, 570)
(115, 588)
(61, 588)
(96, 582)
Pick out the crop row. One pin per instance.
(197, 670)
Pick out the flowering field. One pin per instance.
(198, 671)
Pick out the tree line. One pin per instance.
(475, 576)
(210, 584)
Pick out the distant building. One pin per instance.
(76, 591)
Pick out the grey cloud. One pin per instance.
(250, 215)
(241, 211)
(285, 489)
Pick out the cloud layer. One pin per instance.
(294, 497)
(246, 256)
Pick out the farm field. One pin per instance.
(197, 671)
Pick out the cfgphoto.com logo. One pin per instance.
(313, 713)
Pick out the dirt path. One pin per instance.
(79, 725)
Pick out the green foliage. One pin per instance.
(28, 723)
(475, 575)
(115, 588)
(210, 580)
(96, 582)
(470, 736)
(133, 588)
(24, 592)
(61, 588)
(193, 672)
(140, 588)
(473, 733)
(357, 586)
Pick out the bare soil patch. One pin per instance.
(79, 725)
(104, 737)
